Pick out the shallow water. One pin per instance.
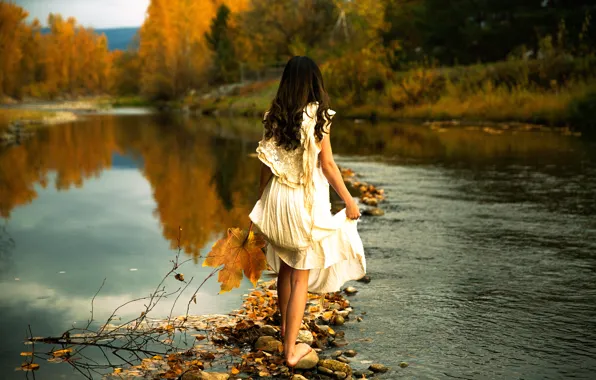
(482, 267)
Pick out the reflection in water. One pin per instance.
(193, 171)
(485, 251)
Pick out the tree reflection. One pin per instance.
(200, 181)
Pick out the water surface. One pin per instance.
(482, 267)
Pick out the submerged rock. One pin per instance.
(340, 374)
(298, 377)
(350, 290)
(403, 364)
(338, 320)
(350, 353)
(375, 211)
(378, 368)
(366, 279)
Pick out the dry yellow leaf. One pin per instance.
(26, 353)
(30, 366)
(63, 352)
(238, 252)
(235, 371)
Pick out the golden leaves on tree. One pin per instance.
(239, 252)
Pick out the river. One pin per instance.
(482, 267)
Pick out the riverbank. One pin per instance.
(488, 106)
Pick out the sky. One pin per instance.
(90, 13)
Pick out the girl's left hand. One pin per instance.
(352, 210)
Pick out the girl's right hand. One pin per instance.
(352, 210)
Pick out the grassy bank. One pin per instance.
(559, 94)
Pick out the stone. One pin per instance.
(335, 366)
(365, 279)
(325, 371)
(298, 377)
(305, 336)
(344, 313)
(403, 364)
(325, 330)
(342, 359)
(268, 344)
(337, 353)
(202, 375)
(350, 353)
(334, 306)
(340, 374)
(339, 343)
(374, 211)
(378, 368)
(268, 330)
(350, 290)
(359, 319)
(339, 320)
(309, 361)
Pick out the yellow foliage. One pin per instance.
(240, 251)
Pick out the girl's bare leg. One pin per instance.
(283, 293)
(294, 313)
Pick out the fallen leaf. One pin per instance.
(235, 371)
(26, 353)
(238, 252)
(30, 366)
(63, 352)
(179, 277)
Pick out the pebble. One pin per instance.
(350, 290)
(343, 359)
(337, 353)
(359, 319)
(403, 364)
(378, 368)
(268, 344)
(309, 361)
(336, 366)
(305, 336)
(298, 377)
(268, 330)
(365, 279)
(375, 211)
(340, 374)
(339, 320)
(350, 353)
(325, 371)
(339, 343)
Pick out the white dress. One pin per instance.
(294, 214)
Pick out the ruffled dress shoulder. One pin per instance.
(294, 214)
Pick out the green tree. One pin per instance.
(225, 64)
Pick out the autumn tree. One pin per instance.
(11, 53)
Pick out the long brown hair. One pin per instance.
(301, 84)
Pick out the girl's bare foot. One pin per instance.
(300, 351)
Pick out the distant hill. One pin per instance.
(118, 38)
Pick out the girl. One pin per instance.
(310, 249)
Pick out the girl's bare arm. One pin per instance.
(333, 175)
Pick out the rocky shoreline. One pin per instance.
(247, 342)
